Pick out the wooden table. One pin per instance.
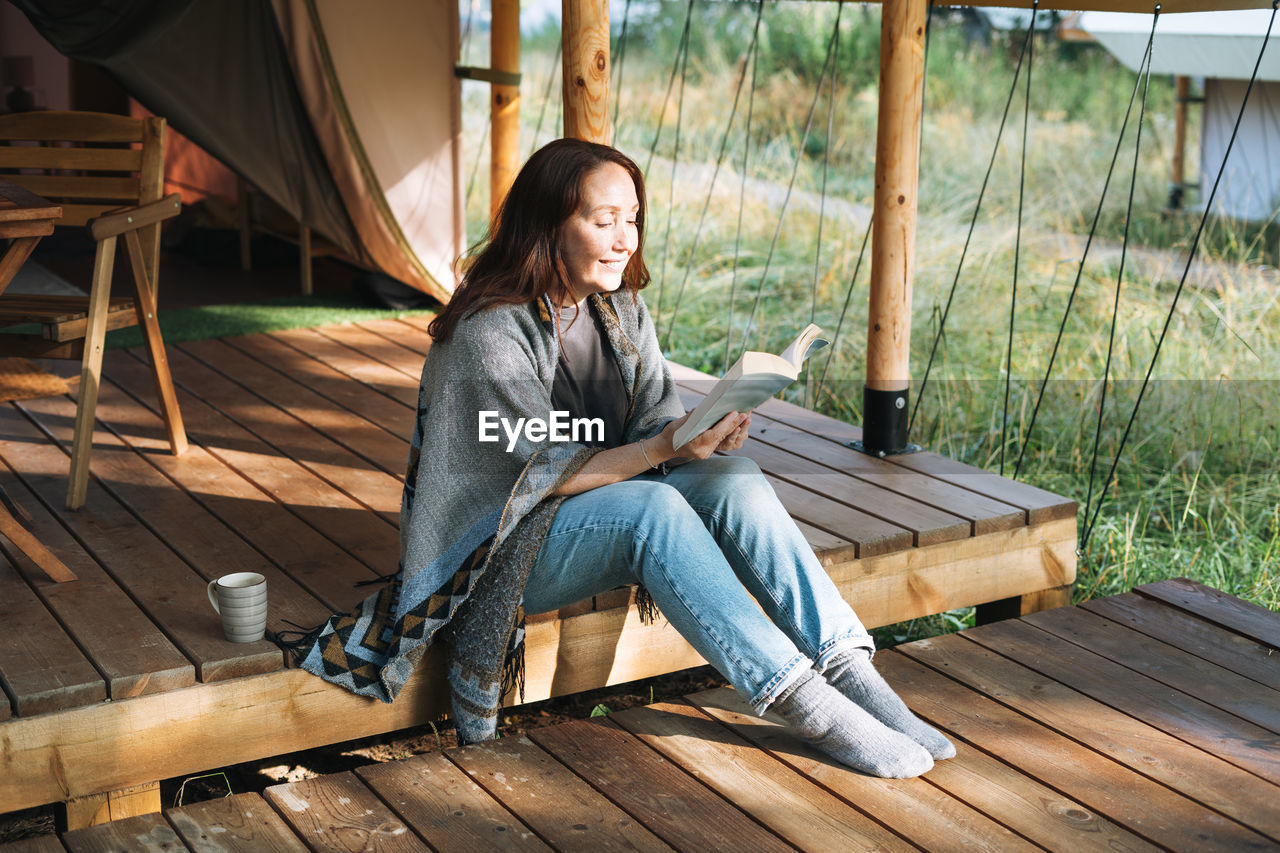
(1143, 721)
(24, 218)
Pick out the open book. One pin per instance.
(754, 378)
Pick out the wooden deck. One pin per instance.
(1145, 721)
(299, 440)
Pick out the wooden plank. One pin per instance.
(1039, 505)
(871, 535)
(337, 813)
(96, 613)
(290, 434)
(82, 186)
(314, 562)
(1125, 739)
(376, 375)
(150, 833)
(372, 443)
(60, 126)
(1204, 639)
(1140, 805)
(243, 822)
(669, 802)
(1241, 696)
(912, 807)
(928, 525)
(446, 807)
(984, 515)
(375, 346)
(203, 541)
(784, 801)
(394, 418)
(98, 809)
(1243, 617)
(347, 523)
(41, 669)
(93, 159)
(170, 593)
(407, 332)
(543, 793)
(1198, 723)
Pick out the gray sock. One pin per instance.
(838, 727)
(857, 678)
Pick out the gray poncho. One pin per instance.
(474, 512)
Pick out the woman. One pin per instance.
(549, 319)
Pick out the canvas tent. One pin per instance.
(1222, 48)
(348, 120)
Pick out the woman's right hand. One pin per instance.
(706, 443)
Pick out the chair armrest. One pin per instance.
(125, 219)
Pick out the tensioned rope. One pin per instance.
(1124, 251)
(1195, 245)
(681, 50)
(724, 144)
(1017, 240)
(844, 309)
(546, 96)
(1097, 216)
(671, 184)
(742, 197)
(977, 208)
(786, 199)
(622, 55)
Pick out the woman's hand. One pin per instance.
(728, 434)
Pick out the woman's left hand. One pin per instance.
(735, 439)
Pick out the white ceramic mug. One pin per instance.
(241, 600)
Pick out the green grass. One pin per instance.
(220, 321)
(1196, 490)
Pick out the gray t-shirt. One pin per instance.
(588, 381)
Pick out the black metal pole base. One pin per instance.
(884, 423)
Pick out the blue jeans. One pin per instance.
(705, 540)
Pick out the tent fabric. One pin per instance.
(390, 129)
(1190, 44)
(1250, 187)
(356, 135)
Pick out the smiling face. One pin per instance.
(599, 238)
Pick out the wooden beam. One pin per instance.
(893, 234)
(504, 107)
(1177, 178)
(585, 61)
(1142, 7)
(58, 756)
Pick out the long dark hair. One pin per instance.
(520, 259)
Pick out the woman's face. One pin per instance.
(600, 237)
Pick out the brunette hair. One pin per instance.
(520, 259)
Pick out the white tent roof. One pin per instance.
(1192, 44)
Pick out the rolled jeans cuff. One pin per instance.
(781, 680)
(834, 649)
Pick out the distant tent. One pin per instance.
(1221, 47)
(346, 115)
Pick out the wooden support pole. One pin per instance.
(893, 234)
(585, 57)
(504, 56)
(1177, 178)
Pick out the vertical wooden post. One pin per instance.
(1177, 178)
(893, 235)
(504, 57)
(585, 57)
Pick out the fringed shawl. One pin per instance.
(474, 514)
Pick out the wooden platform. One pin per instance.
(299, 440)
(1146, 721)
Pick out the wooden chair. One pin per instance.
(107, 172)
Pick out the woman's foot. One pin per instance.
(823, 717)
(857, 679)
